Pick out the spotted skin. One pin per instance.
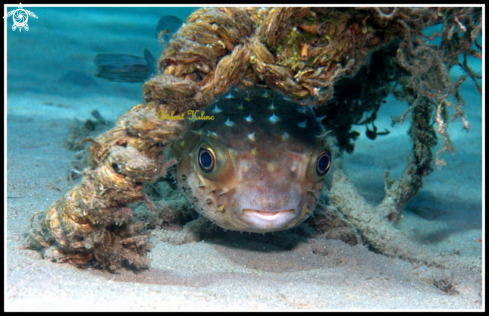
(258, 166)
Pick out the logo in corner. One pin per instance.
(20, 17)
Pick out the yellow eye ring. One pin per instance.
(323, 163)
(207, 160)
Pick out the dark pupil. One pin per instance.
(322, 165)
(206, 159)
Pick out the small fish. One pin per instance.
(169, 24)
(130, 68)
(125, 67)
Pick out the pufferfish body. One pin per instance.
(252, 163)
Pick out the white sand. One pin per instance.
(50, 81)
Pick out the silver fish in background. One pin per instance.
(130, 68)
(125, 67)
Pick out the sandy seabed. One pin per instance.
(50, 82)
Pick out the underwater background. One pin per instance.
(51, 80)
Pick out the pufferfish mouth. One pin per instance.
(268, 209)
(268, 215)
(268, 220)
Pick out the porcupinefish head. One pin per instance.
(252, 163)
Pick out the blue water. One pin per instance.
(56, 54)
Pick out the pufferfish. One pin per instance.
(252, 163)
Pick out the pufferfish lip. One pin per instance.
(268, 215)
(268, 220)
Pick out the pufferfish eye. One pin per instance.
(207, 160)
(323, 163)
